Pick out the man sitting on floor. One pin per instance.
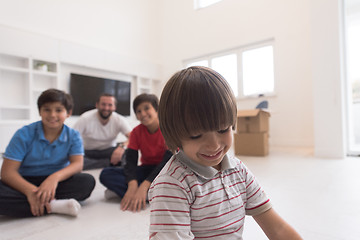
(99, 129)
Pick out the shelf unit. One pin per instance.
(22, 79)
(143, 85)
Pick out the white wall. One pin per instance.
(328, 78)
(103, 38)
(146, 37)
(233, 23)
(124, 27)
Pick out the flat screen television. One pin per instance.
(85, 91)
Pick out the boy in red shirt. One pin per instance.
(132, 182)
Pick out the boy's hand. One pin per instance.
(135, 198)
(36, 207)
(275, 227)
(47, 189)
(139, 200)
(134, 201)
(127, 201)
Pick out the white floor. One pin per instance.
(319, 197)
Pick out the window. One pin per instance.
(249, 70)
(352, 54)
(258, 71)
(227, 67)
(203, 63)
(204, 3)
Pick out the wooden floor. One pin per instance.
(319, 197)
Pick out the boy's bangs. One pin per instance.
(207, 109)
(206, 119)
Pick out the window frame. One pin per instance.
(238, 51)
(198, 5)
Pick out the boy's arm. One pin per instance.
(11, 176)
(169, 210)
(142, 190)
(275, 227)
(156, 171)
(171, 235)
(131, 158)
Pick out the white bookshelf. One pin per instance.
(22, 79)
(143, 85)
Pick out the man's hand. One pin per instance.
(117, 155)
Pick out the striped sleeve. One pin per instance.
(171, 235)
(256, 200)
(169, 209)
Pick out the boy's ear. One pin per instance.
(70, 113)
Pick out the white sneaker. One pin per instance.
(108, 194)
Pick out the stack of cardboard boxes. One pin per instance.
(252, 133)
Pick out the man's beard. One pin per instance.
(104, 116)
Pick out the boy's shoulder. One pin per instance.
(30, 129)
(174, 167)
(180, 168)
(69, 132)
(234, 162)
(27, 133)
(175, 171)
(139, 128)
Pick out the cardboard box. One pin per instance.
(251, 144)
(252, 121)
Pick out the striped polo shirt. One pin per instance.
(189, 200)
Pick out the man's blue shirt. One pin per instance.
(37, 155)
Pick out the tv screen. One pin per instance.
(85, 91)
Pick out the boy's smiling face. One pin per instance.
(53, 115)
(147, 114)
(208, 148)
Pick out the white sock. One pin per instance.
(65, 206)
(108, 194)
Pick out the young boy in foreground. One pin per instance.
(202, 192)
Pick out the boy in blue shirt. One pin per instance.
(41, 169)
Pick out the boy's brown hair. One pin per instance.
(195, 100)
(145, 97)
(54, 95)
